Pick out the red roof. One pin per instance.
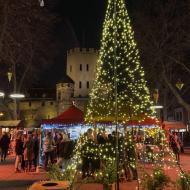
(71, 115)
(146, 121)
(173, 125)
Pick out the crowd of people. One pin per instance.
(4, 146)
(27, 152)
(25, 149)
(57, 149)
(98, 149)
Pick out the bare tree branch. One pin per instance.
(163, 36)
(180, 63)
(179, 98)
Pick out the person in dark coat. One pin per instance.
(4, 145)
(28, 147)
(18, 151)
(65, 151)
(174, 147)
(35, 149)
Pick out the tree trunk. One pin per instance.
(165, 113)
(176, 94)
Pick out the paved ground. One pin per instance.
(21, 181)
(9, 180)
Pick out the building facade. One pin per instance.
(74, 88)
(81, 66)
(80, 70)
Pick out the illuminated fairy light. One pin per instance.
(133, 95)
(104, 152)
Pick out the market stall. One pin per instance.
(176, 126)
(70, 121)
(148, 136)
(9, 126)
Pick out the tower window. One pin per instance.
(87, 67)
(43, 104)
(87, 84)
(80, 67)
(80, 84)
(29, 104)
(59, 96)
(70, 68)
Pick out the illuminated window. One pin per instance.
(80, 67)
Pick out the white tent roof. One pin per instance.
(10, 123)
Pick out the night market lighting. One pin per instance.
(2, 94)
(157, 107)
(16, 95)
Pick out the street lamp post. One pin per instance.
(15, 97)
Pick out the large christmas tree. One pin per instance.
(118, 61)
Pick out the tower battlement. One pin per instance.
(82, 50)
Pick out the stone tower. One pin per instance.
(64, 94)
(81, 66)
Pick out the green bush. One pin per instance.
(183, 182)
(107, 175)
(55, 173)
(157, 181)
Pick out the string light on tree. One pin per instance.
(132, 93)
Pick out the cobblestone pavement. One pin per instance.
(9, 180)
